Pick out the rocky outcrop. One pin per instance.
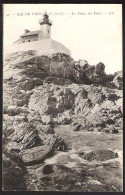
(30, 70)
(60, 65)
(40, 94)
(55, 100)
(89, 74)
(100, 155)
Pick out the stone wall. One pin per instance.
(42, 47)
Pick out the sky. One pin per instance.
(92, 32)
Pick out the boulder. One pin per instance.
(36, 155)
(100, 155)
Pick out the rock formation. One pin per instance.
(41, 93)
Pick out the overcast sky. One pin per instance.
(88, 34)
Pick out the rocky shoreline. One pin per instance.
(38, 102)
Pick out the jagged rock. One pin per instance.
(100, 155)
(48, 136)
(20, 130)
(36, 155)
(30, 140)
(26, 135)
(44, 129)
(90, 74)
(65, 117)
(118, 80)
(53, 140)
(54, 100)
(77, 127)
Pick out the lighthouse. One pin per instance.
(45, 26)
(39, 40)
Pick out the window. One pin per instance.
(48, 31)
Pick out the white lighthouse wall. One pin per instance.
(45, 31)
(30, 38)
(42, 47)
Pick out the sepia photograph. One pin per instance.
(62, 127)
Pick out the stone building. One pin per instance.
(39, 40)
(43, 33)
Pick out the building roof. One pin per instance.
(30, 33)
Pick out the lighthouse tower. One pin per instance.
(45, 26)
